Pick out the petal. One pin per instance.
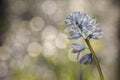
(93, 22)
(75, 51)
(96, 35)
(75, 36)
(75, 16)
(87, 59)
(88, 29)
(86, 20)
(77, 47)
(68, 29)
(68, 21)
(73, 19)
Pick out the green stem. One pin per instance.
(95, 58)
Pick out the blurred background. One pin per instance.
(33, 45)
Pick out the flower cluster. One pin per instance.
(81, 25)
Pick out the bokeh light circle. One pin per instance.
(49, 33)
(49, 7)
(34, 49)
(61, 41)
(37, 23)
(49, 49)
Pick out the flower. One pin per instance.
(74, 32)
(82, 26)
(73, 19)
(77, 48)
(87, 59)
(97, 34)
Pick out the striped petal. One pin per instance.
(87, 59)
(77, 48)
(75, 36)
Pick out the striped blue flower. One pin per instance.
(81, 25)
(77, 48)
(87, 59)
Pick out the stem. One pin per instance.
(95, 58)
(78, 55)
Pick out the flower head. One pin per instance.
(83, 24)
